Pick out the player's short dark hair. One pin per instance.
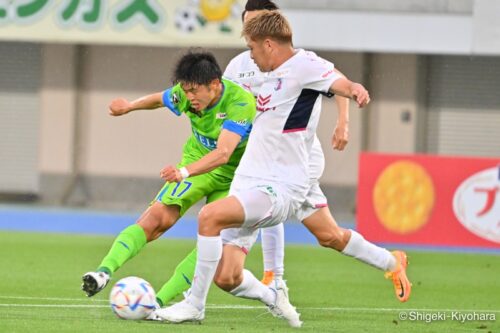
(198, 67)
(253, 5)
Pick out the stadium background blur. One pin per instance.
(432, 68)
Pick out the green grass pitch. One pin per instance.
(40, 290)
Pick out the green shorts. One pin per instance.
(192, 189)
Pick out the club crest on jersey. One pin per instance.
(221, 115)
(278, 86)
(174, 98)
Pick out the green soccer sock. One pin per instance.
(180, 281)
(128, 243)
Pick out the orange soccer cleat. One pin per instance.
(402, 285)
(267, 278)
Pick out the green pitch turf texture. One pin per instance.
(40, 290)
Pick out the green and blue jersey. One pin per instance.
(235, 112)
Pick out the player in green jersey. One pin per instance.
(221, 114)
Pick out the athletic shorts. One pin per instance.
(193, 189)
(315, 199)
(265, 204)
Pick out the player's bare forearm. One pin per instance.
(226, 144)
(207, 163)
(340, 136)
(121, 106)
(339, 72)
(353, 90)
(342, 109)
(148, 102)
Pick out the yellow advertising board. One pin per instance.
(137, 22)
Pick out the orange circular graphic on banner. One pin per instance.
(403, 197)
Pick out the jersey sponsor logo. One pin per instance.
(242, 122)
(243, 75)
(325, 75)
(282, 73)
(206, 142)
(242, 104)
(262, 109)
(221, 115)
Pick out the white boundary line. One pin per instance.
(223, 306)
(54, 298)
(53, 306)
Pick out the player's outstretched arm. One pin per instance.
(226, 144)
(355, 91)
(121, 106)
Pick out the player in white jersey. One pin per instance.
(243, 70)
(272, 180)
(314, 213)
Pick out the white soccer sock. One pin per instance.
(209, 254)
(252, 288)
(273, 249)
(369, 253)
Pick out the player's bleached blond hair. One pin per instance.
(268, 24)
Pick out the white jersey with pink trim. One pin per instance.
(288, 109)
(243, 70)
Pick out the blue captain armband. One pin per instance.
(241, 129)
(167, 101)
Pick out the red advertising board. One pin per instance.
(429, 200)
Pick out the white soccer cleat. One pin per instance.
(181, 312)
(282, 307)
(94, 282)
(281, 284)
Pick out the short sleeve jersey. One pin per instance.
(288, 108)
(235, 111)
(243, 70)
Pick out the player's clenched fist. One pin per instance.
(171, 174)
(119, 106)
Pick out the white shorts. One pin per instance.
(243, 238)
(315, 199)
(265, 204)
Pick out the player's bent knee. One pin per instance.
(208, 220)
(157, 221)
(162, 222)
(227, 282)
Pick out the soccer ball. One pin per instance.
(186, 19)
(132, 298)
